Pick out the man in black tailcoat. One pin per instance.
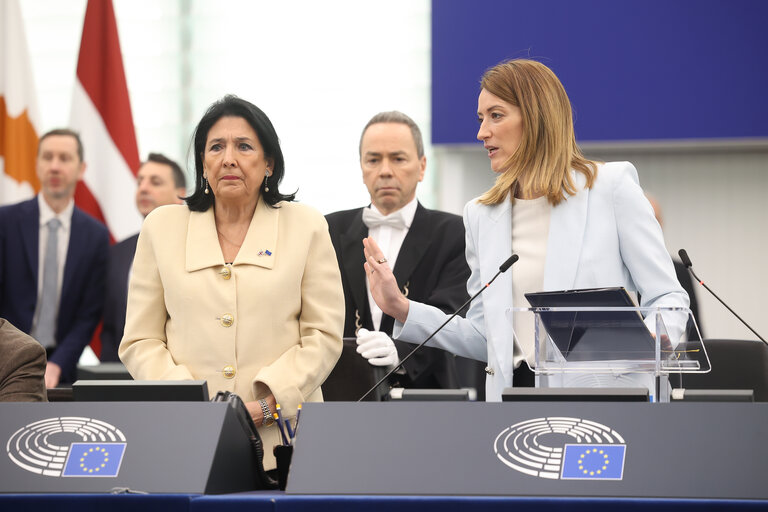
(424, 247)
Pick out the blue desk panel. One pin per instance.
(94, 502)
(278, 502)
(257, 501)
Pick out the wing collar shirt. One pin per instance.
(390, 240)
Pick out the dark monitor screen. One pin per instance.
(575, 395)
(439, 395)
(140, 391)
(103, 371)
(713, 395)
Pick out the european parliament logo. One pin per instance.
(94, 459)
(68, 447)
(562, 448)
(593, 462)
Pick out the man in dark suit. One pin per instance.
(160, 181)
(53, 258)
(424, 247)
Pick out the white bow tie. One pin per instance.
(374, 219)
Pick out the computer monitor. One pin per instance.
(140, 391)
(575, 395)
(712, 395)
(103, 371)
(434, 395)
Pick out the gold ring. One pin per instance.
(382, 260)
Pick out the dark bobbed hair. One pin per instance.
(232, 106)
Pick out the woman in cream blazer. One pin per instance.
(254, 305)
(601, 228)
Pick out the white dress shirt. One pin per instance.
(390, 240)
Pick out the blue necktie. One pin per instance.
(45, 331)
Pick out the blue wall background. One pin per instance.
(633, 69)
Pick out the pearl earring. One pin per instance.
(206, 185)
(266, 186)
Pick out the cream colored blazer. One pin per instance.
(272, 321)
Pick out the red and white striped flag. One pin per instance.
(101, 112)
(19, 120)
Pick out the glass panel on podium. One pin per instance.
(610, 347)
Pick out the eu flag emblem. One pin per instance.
(94, 459)
(593, 461)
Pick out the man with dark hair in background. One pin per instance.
(424, 247)
(160, 181)
(53, 259)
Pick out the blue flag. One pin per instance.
(94, 459)
(593, 461)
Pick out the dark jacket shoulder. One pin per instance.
(342, 218)
(85, 220)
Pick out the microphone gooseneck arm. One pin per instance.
(503, 268)
(687, 262)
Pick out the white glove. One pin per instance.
(377, 348)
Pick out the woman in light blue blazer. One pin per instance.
(574, 224)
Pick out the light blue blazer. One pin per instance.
(603, 236)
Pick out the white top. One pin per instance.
(390, 240)
(530, 230)
(65, 217)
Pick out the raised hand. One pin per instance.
(383, 284)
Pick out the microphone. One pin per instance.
(503, 268)
(687, 262)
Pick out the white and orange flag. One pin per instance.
(101, 112)
(19, 120)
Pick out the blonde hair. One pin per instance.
(548, 150)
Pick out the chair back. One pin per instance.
(736, 364)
